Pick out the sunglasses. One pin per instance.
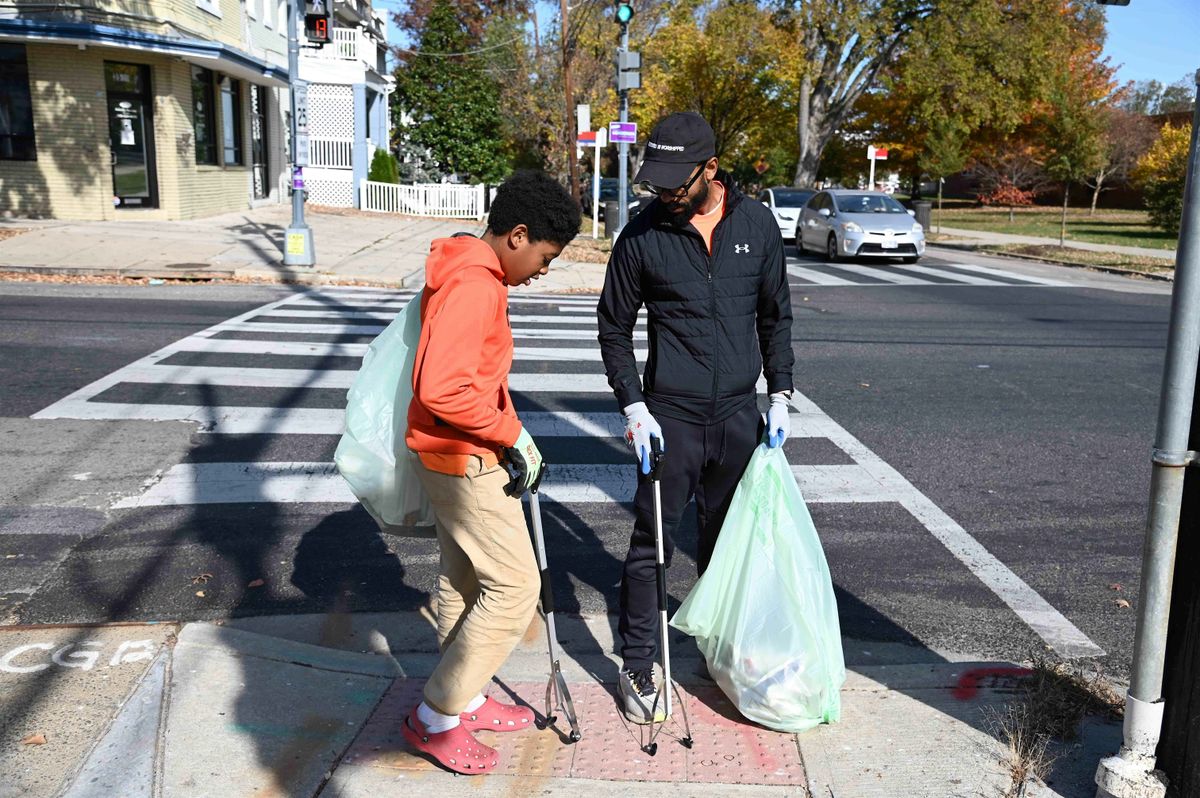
(674, 192)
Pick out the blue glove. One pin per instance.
(640, 426)
(779, 423)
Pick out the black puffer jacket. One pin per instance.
(714, 320)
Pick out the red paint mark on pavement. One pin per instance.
(971, 681)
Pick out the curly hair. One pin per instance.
(536, 200)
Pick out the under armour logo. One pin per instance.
(741, 248)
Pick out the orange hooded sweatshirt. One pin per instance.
(461, 405)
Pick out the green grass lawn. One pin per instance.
(1126, 228)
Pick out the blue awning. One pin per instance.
(203, 52)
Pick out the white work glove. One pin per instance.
(527, 460)
(779, 424)
(639, 427)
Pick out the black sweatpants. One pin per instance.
(702, 460)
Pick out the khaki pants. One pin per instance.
(489, 583)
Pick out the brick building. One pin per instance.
(142, 109)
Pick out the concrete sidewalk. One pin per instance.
(305, 706)
(351, 247)
(987, 237)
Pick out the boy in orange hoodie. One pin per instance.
(461, 423)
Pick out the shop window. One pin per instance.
(204, 122)
(16, 106)
(231, 120)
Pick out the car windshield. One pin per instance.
(792, 199)
(868, 203)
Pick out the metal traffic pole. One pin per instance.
(298, 241)
(1131, 773)
(623, 148)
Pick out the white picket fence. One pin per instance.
(441, 200)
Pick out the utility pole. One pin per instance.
(298, 240)
(569, 133)
(1132, 774)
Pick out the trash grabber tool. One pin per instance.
(657, 459)
(558, 697)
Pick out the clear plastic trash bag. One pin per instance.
(764, 613)
(372, 455)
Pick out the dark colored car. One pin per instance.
(609, 189)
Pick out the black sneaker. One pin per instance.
(638, 695)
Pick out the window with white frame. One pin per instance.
(211, 6)
(252, 9)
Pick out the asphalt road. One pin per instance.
(1023, 411)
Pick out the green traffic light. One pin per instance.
(624, 13)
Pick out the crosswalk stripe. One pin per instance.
(961, 278)
(820, 278)
(589, 318)
(343, 378)
(315, 349)
(294, 482)
(881, 274)
(998, 272)
(403, 299)
(374, 329)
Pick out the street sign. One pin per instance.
(300, 157)
(877, 153)
(761, 165)
(300, 93)
(583, 118)
(586, 139)
(622, 132)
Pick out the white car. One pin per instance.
(844, 223)
(786, 203)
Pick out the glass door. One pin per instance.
(131, 135)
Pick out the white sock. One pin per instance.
(433, 721)
(475, 703)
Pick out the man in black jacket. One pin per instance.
(708, 265)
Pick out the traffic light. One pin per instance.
(624, 12)
(317, 21)
(629, 65)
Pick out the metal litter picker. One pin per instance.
(558, 697)
(657, 458)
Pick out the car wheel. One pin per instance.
(831, 249)
(910, 259)
(799, 241)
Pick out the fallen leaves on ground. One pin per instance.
(34, 739)
(256, 583)
(1123, 604)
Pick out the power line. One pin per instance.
(457, 55)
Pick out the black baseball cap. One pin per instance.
(676, 145)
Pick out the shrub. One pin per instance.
(1160, 174)
(384, 168)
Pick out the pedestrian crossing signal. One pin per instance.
(316, 22)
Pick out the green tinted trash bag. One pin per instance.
(764, 614)
(372, 455)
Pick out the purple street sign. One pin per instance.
(297, 178)
(622, 132)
